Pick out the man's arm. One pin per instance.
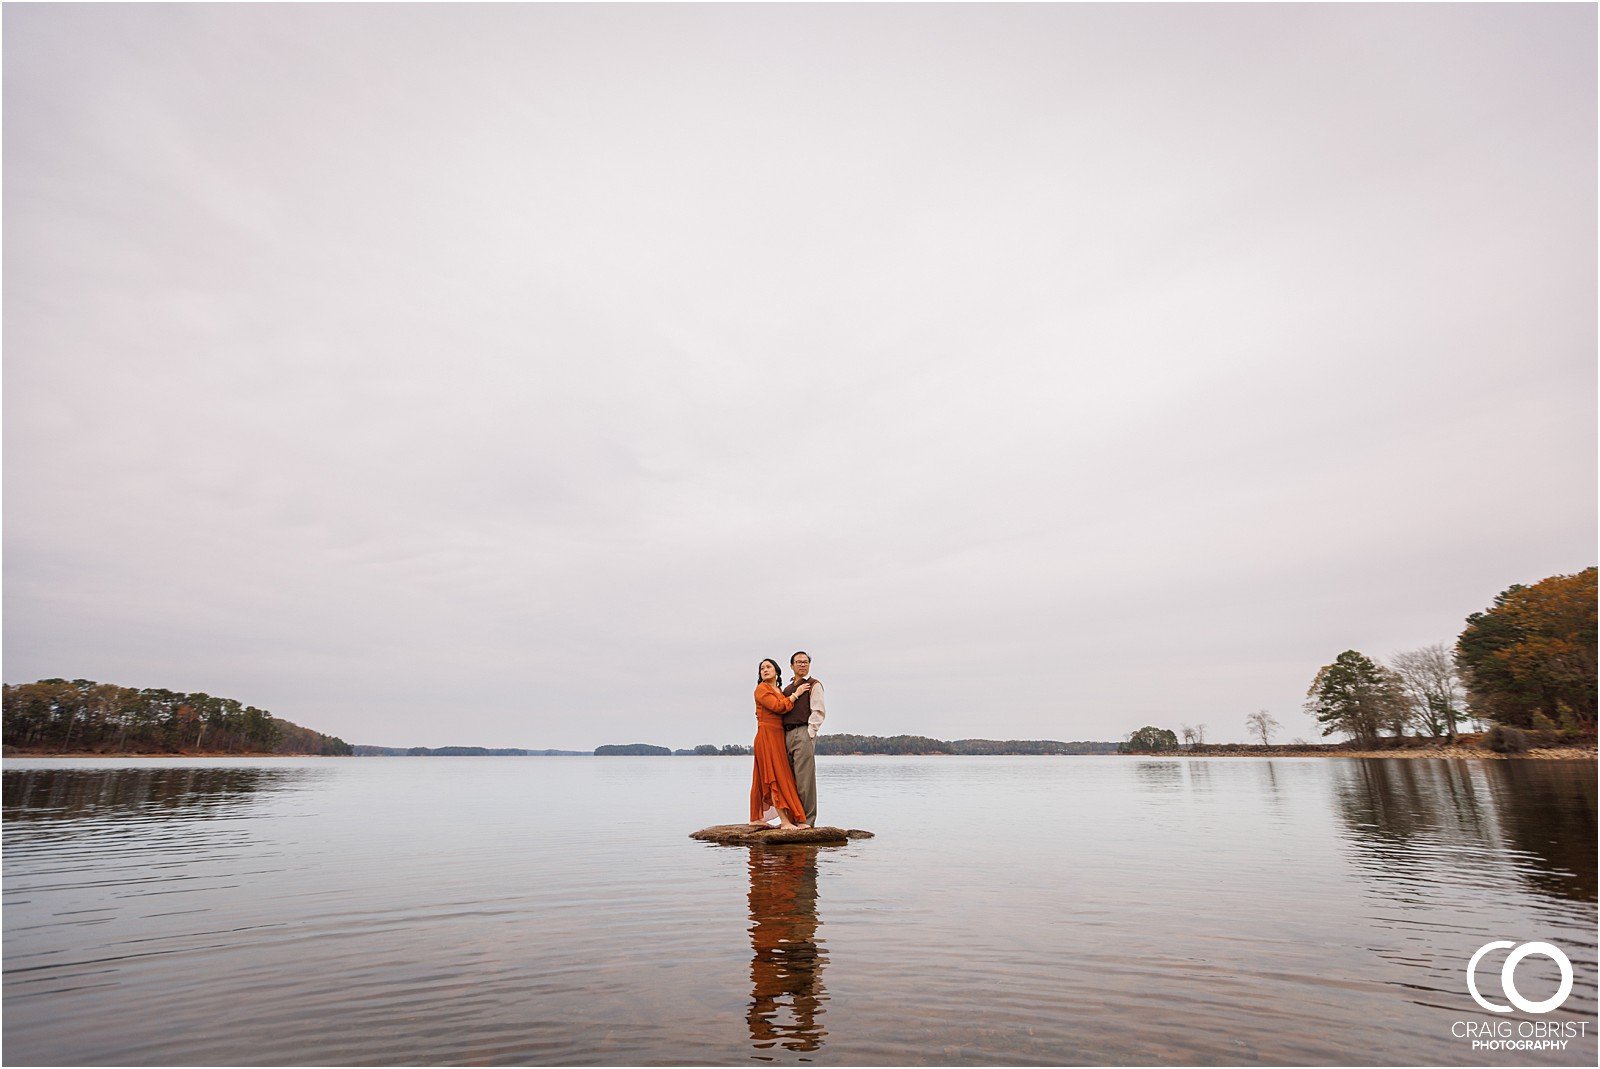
(819, 711)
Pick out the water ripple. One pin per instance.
(376, 911)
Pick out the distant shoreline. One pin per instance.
(1445, 753)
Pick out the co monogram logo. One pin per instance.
(1508, 973)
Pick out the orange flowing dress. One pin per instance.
(772, 787)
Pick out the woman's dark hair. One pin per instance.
(777, 678)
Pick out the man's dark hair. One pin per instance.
(798, 653)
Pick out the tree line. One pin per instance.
(1525, 664)
(82, 716)
(363, 750)
(632, 749)
(921, 744)
(877, 744)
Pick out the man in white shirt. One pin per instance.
(800, 727)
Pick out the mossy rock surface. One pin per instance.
(747, 834)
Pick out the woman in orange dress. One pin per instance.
(772, 788)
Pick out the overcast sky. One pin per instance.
(522, 375)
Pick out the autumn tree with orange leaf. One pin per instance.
(1529, 660)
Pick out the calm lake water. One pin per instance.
(1011, 910)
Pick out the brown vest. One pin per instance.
(801, 713)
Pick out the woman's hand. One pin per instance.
(801, 689)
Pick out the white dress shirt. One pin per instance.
(819, 711)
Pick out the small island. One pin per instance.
(835, 745)
(462, 751)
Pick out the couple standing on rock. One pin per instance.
(787, 721)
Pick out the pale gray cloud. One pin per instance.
(520, 375)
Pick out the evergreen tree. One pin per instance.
(1357, 696)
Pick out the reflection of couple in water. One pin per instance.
(786, 960)
(787, 721)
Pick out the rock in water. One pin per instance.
(746, 834)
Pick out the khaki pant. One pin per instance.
(803, 759)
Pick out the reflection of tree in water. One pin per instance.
(1162, 775)
(1269, 773)
(1396, 802)
(1547, 810)
(786, 959)
(60, 794)
(1407, 816)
